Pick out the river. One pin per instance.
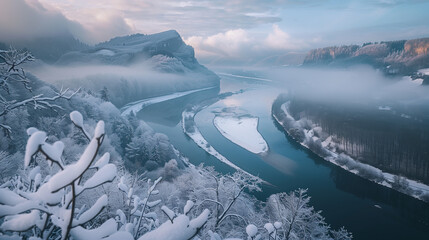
(368, 210)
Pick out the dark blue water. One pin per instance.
(344, 199)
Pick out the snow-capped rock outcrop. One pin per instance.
(164, 51)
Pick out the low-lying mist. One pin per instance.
(124, 83)
(360, 85)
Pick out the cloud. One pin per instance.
(22, 20)
(244, 45)
(254, 27)
(105, 25)
(229, 44)
(192, 17)
(278, 39)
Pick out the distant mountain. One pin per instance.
(165, 52)
(48, 49)
(405, 57)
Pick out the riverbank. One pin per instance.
(139, 105)
(308, 136)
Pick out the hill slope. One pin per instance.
(405, 57)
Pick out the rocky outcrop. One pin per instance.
(393, 57)
(165, 51)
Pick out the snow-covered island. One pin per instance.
(243, 131)
(194, 133)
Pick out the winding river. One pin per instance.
(368, 210)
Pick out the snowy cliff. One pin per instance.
(165, 50)
(392, 57)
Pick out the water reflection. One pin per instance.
(280, 162)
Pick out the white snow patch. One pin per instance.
(251, 230)
(242, 131)
(105, 52)
(34, 141)
(77, 118)
(135, 107)
(180, 228)
(405, 116)
(418, 81)
(424, 71)
(384, 108)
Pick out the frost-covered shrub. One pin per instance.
(425, 197)
(9, 165)
(370, 172)
(363, 170)
(298, 219)
(318, 132)
(151, 165)
(170, 171)
(305, 123)
(345, 160)
(46, 205)
(123, 130)
(167, 64)
(316, 147)
(401, 184)
(298, 134)
(189, 124)
(149, 149)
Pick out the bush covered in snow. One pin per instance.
(44, 205)
(363, 170)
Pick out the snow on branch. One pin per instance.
(47, 207)
(11, 73)
(10, 69)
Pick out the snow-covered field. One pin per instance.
(139, 105)
(418, 189)
(242, 131)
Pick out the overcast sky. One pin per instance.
(229, 29)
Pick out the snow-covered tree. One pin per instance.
(225, 196)
(13, 80)
(179, 226)
(46, 206)
(341, 234)
(298, 219)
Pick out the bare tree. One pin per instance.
(298, 218)
(228, 189)
(12, 75)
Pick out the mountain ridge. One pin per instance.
(395, 58)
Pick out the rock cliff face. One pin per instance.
(393, 57)
(166, 52)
